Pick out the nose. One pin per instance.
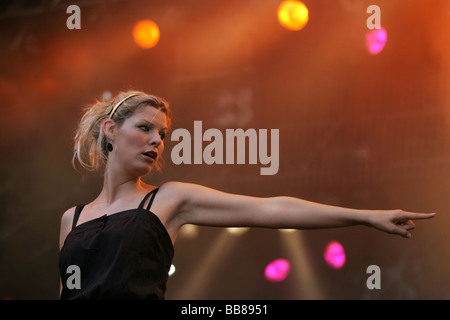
(155, 139)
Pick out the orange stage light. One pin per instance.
(146, 34)
(293, 15)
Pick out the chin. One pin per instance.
(146, 171)
(142, 171)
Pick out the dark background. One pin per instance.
(356, 130)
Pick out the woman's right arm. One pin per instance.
(66, 226)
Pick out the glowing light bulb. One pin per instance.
(293, 15)
(277, 270)
(376, 40)
(237, 231)
(189, 231)
(146, 34)
(334, 255)
(171, 270)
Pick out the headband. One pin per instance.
(108, 110)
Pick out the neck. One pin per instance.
(117, 185)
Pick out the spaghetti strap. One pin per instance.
(152, 193)
(77, 215)
(151, 199)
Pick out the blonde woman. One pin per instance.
(122, 242)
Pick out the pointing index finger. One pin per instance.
(413, 215)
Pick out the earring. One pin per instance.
(109, 147)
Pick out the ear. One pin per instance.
(109, 129)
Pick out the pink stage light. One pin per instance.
(334, 255)
(376, 40)
(277, 270)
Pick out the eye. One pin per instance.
(162, 135)
(144, 128)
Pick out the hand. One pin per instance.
(396, 221)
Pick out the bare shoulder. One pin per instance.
(66, 225)
(176, 188)
(68, 214)
(174, 193)
(188, 197)
(67, 217)
(183, 188)
(180, 192)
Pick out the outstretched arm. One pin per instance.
(204, 206)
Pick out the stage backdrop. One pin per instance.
(355, 129)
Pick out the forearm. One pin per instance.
(289, 212)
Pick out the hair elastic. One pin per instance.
(119, 103)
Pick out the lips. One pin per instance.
(151, 155)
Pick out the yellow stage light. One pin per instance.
(237, 231)
(146, 34)
(293, 15)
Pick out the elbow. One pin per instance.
(274, 212)
(285, 212)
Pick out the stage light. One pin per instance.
(146, 34)
(277, 270)
(334, 255)
(237, 231)
(376, 40)
(213, 258)
(171, 270)
(189, 231)
(293, 15)
(287, 230)
(303, 277)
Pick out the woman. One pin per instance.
(122, 242)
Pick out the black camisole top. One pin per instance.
(125, 255)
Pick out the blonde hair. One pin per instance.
(90, 141)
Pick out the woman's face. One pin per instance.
(139, 141)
